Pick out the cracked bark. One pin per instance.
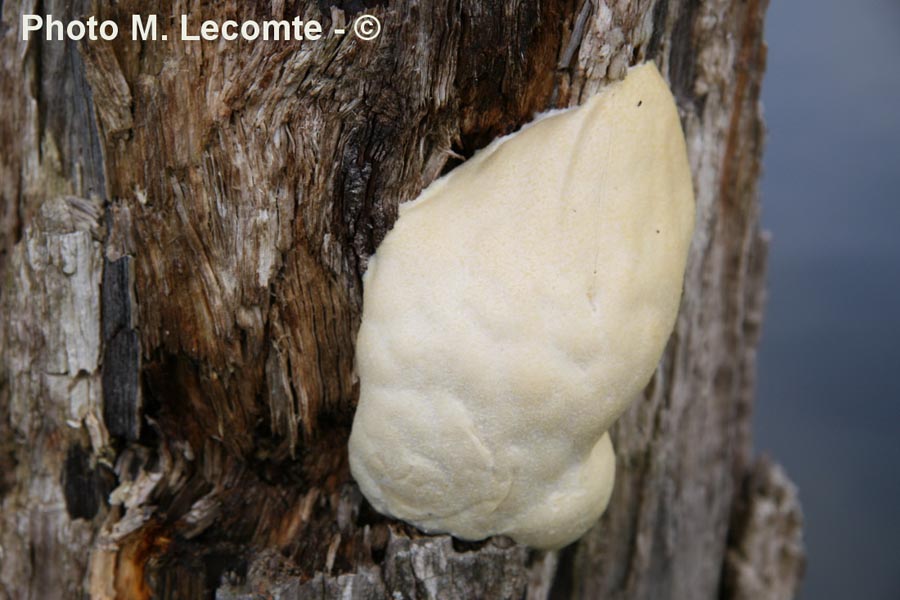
(183, 228)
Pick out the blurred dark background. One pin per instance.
(828, 404)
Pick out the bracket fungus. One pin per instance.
(512, 314)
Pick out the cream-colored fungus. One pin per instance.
(514, 311)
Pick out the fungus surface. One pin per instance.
(514, 311)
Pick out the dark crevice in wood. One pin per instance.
(219, 565)
(563, 586)
(542, 44)
(121, 351)
(36, 49)
(85, 486)
(683, 55)
(502, 87)
(467, 546)
(355, 174)
(121, 395)
(660, 13)
(65, 105)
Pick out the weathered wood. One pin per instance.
(183, 230)
(765, 551)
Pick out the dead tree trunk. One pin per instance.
(184, 226)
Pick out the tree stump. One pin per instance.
(183, 229)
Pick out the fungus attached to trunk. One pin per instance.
(515, 310)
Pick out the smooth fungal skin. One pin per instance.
(515, 310)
